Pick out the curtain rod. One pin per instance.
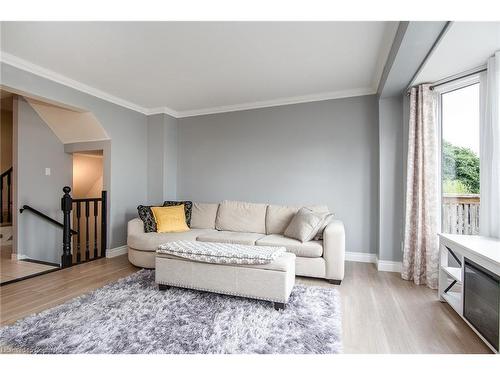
(451, 79)
(455, 77)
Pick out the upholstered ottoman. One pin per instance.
(270, 282)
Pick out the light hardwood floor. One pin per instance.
(381, 312)
(11, 269)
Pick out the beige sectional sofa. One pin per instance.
(249, 224)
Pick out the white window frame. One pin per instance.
(441, 89)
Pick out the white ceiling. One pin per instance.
(465, 46)
(188, 68)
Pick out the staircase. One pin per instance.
(88, 241)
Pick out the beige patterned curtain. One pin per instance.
(420, 256)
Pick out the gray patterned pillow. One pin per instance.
(146, 215)
(188, 207)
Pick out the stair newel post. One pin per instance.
(1, 200)
(104, 221)
(66, 206)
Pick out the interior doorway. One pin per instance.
(88, 173)
(87, 213)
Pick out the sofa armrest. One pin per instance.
(135, 226)
(334, 250)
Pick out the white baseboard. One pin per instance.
(382, 265)
(361, 257)
(17, 256)
(117, 251)
(389, 266)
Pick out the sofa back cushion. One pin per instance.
(279, 217)
(203, 215)
(241, 217)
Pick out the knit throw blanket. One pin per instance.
(221, 253)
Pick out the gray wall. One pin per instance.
(170, 157)
(38, 239)
(155, 159)
(322, 152)
(162, 158)
(391, 144)
(127, 130)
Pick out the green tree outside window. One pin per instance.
(460, 170)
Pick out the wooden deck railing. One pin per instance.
(460, 213)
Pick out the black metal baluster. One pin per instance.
(1, 199)
(104, 197)
(87, 239)
(66, 206)
(96, 212)
(9, 199)
(78, 238)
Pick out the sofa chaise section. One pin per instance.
(142, 246)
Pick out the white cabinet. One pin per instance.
(469, 281)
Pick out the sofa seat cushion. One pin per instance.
(309, 249)
(151, 241)
(224, 236)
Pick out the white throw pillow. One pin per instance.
(305, 225)
(327, 220)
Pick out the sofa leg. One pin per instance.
(163, 286)
(279, 306)
(335, 282)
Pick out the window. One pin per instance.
(459, 113)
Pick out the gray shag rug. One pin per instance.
(133, 316)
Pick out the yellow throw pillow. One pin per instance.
(170, 219)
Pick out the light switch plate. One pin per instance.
(47, 171)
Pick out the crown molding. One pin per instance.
(163, 110)
(27, 66)
(280, 102)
